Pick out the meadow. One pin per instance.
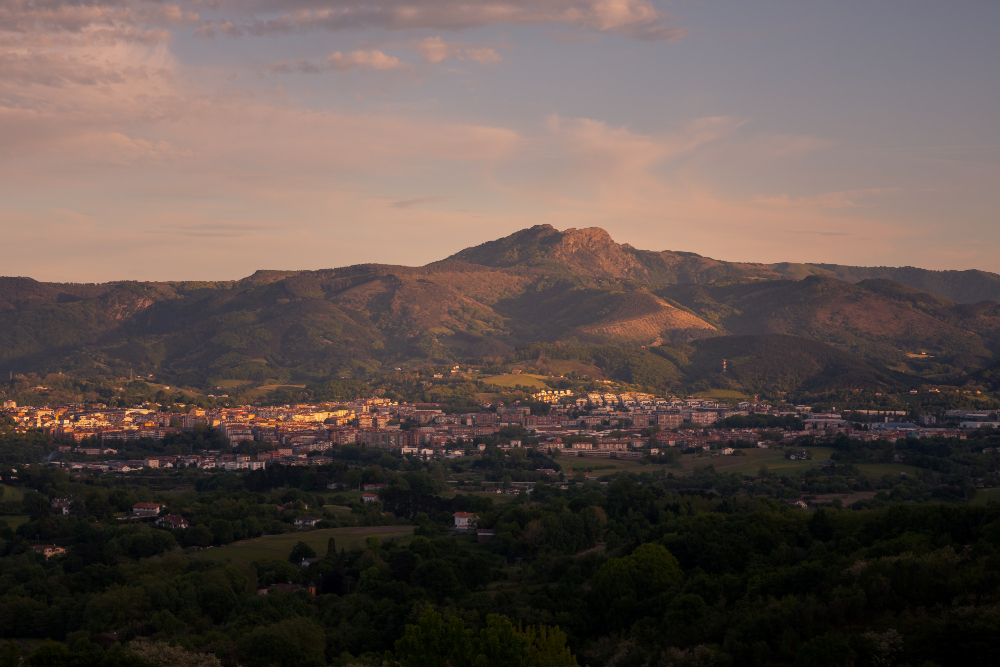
(510, 381)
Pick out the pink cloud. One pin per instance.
(639, 19)
(342, 62)
(435, 50)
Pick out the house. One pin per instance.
(369, 497)
(374, 487)
(61, 505)
(146, 509)
(307, 520)
(49, 550)
(464, 520)
(727, 451)
(173, 521)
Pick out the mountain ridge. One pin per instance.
(536, 285)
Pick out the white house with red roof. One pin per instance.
(146, 509)
(465, 520)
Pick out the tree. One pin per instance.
(162, 654)
(10, 654)
(352, 478)
(49, 654)
(434, 642)
(300, 552)
(199, 536)
(331, 547)
(829, 650)
(222, 531)
(294, 642)
(620, 582)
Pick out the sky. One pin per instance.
(207, 139)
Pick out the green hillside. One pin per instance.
(576, 287)
(969, 286)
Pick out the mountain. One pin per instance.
(577, 287)
(969, 286)
(593, 253)
(880, 320)
(764, 364)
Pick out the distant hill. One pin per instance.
(969, 286)
(882, 321)
(788, 363)
(578, 287)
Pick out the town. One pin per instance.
(601, 425)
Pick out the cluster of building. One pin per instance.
(303, 434)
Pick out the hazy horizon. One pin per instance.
(204, 140)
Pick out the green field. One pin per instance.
(523, 379)
(11, 494)
(750, 464)
(279, 546)
(986, 496)
(720, 393)
(268, 388)
(232, 384)
(14, 521)
(877, 470)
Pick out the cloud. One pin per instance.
(782, 145)
(435, 50)
(341, 62)
(826, 200)
(617, 157)
(210, 28)
(410, 203)
(211, 230)
(639, 19)
(26, 16)
(98, 115)
(363, 60)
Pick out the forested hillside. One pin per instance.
(576, 287)
(649, 568)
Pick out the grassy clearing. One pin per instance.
(720, 393)
(279, 546)
(510, 380)
(985, 497)
(750, 464)
(267, 388)
(845, 498)
(14, 521)
(567, 366)
(877, 470)
(232, 384)
(11, 494)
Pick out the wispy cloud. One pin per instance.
(639, 19)
(435, 50)
(342, 62)
(419, 201)
(211, 230)
(827, 200)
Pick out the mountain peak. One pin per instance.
(590, 251)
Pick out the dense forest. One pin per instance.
(649, 568)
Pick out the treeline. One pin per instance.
(631, 575)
